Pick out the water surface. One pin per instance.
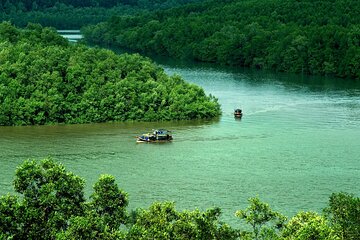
(296, 144)
(71, 35)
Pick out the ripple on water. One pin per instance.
(294, 146)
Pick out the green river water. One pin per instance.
(297, 143)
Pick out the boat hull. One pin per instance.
(152, 141)
(157, 136)
(238, 113)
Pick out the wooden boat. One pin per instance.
(238, 113)
(158, 135)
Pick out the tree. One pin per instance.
(109, 202)
(9, 7)
(51, 195)
(290, 36)
(344, 215)
(50, 205)
(163, 221)
(53, 204)
(34, 6)
(259, 215)
(45, 80)
(8, 32)
(9, 213)
(90, 226)
(308, 225)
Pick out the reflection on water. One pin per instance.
(71, 35)
(296, 144)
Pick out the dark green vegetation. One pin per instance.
(301, 36)
(51, 205)
(73, 14)
(44, 80)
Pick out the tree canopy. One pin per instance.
(45, 80)
(73, 14)
(313, 37)
(28, 5)
(51, 204)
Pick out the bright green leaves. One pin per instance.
(163, 221)
(44, 81)
(8, 32)
(52, 206)
(103, 216)
(259, 215)
(308, 225)
(51, 195)
(32, 177)
(340, 222)
(157, 222)
(9, 212)
(89, 227)
(109, 202)
(344, 215)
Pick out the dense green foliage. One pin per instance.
(259, 215)
(51, 205)
(301, 36)
(63, 16)
(44, 79)
(308, 225)
(163, 222)
(344, 211)
(73, 14)
(30, 5)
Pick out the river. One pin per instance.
(297, 143)
(71, 35)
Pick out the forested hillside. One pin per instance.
(301, 36)
(73, 14)
(29, 5)
(45, 80)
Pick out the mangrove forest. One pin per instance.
(46, 80)
(308, 37)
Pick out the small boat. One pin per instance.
(238, 113)
(158, 135)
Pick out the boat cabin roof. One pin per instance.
(161, 131)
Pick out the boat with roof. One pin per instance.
(158, 135)
(238, 113)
